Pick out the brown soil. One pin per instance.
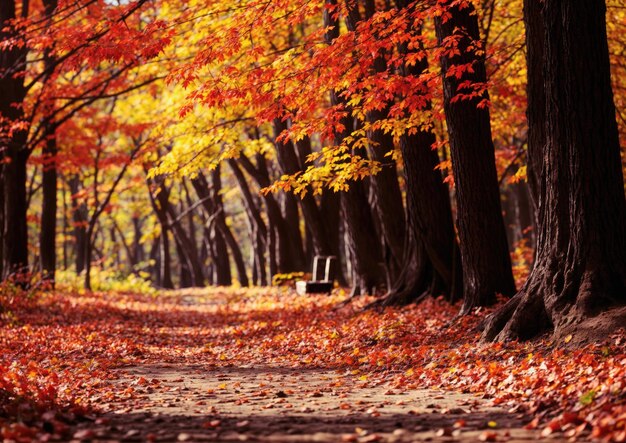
(195, 403)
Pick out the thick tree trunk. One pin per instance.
(15, 226)
(580, 270)
(387, 197)
(13, 150)
(432, 265)
(483, 243)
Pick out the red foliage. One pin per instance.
(58, 352)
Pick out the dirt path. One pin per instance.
(192, 403)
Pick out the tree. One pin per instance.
(364, 248)
(483, 243)
(13, 140)
(580, 270)
(432, 264)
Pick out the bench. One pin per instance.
(319, 284)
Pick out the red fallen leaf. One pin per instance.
(345, 406)
(459, 424)
(211, 424)
(488, 436)
(571, 417)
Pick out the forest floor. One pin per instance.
(268, 365)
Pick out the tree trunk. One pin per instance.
(184, 244)
(13, 150)
(387, 197)
(363, 245)
(580, 269)
(16, 227)
(259, 229)
(47, 237)
(242, 276)
(166, 260)
(483, 243)
(281, 254)
(536, 102)
(79, 219)
(290, 163)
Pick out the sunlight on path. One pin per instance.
(190, 403)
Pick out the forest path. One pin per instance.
(176, 402)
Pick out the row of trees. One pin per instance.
(397, 132)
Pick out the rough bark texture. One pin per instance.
(483, 243)
(536, 108)
(13, 151)
(580, 271)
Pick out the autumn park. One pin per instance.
(312, 221)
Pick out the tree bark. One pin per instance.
(13, 150)
(363, 245)
(483, 243)
(387, 197)
(47, 235)
(230, 240)
(79, 220)
(580, 269)
(214, 207)
(259, 229)
(281, 253)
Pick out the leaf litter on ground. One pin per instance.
(59, 353)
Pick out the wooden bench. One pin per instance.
(319, 284)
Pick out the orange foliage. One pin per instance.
(58, 353)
